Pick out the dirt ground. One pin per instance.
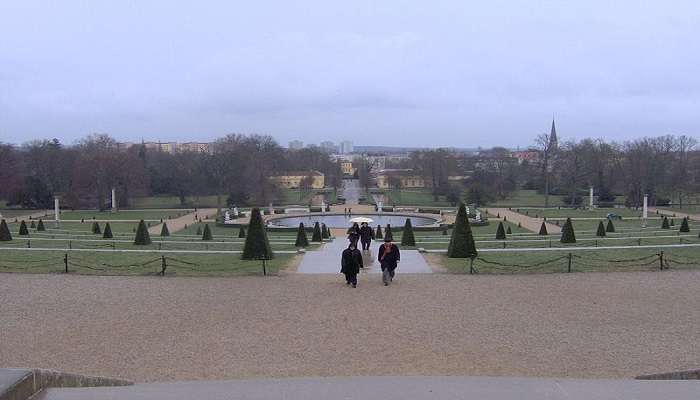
(594, 325)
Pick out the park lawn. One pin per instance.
(153, 215)
(12, 213)
(525, 198)
(585, 261)
(174, 202)
(293, 196)
(231, 231)
(76, 227)
(694, 209)
(578, 212)
(95, 263)
(415, 197)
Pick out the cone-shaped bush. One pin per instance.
(673, 223)
(387, 232)
(199, 231)
(302, 240)
(32, 225)
(684, 225)
(378, 233)
(543, 229)
(610, 227)
(5, 235)
(500, 232)
(96, 228)
(23, 231)
(108, 232)
(567, 232)
(317, 237)
(601, 230)
(664, 224)
(325, 232)
(462, 241)
(142, 237)
(256, 244)
(164, 231)
(509, 231)
(241, 232)
(206, 235)
(408, 238)
(40, 226)
(444, 232)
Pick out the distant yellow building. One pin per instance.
(404, 178)
(294, 179)
(347, 168)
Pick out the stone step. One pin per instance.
(389, 388)
(22, 384)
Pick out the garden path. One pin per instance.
(530, 223)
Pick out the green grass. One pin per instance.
(11, 213)
(579, 213)
(174, 202)
(123, 214)
(415, 197)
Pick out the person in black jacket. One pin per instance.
(354, 234)
(366, 236)
(388, 257)
(350, 264)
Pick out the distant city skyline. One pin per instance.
(452, 74)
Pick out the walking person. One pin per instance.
(350, 264)
(366, 236)
(354, 234)
(389, 257)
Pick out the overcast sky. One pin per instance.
(413, 73)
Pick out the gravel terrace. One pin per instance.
(593, 325)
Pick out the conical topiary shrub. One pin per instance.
(500, 232)
(199, 231)
(257, 245)
(378, 233)
(543, 229)
(684, 225)
(673, 223)
(610, 227)
(142, 237)
(462, 241)
(408, 238)
(317, 237)
(664, 224)
(96, 228)
(206, 235)
(444, 232)
(325, 232)
(5, 235)
(601, 230)
(32, 225)
(509, 231)
(387, 232)
(164, 231)
(241, 232)
(40, 226)
(567, 232)
(108, 232)
(23, 231)
(302, 240)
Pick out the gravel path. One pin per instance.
(604, 325)
(178, 224)
(677, 214)
(530, 223)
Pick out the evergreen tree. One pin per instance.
(462, 241)
(673, 223)
(32, 225)
(601, 230)
(5, 235)
(317, 237)
(509, 231)
(325, 232)
(164, 231)
(23, 231)
(241, 232)
(684, 225)
(199, 231)
(500, 232)
(408, 238)
(108, 232)
(378, 233)
(256, 243)
(40, 226)
(302, 240)
(567, 232)
(206, 235)
(664, 224)
(142, 237)
(387, 232)
(96, 228)
(543, 229)
(610, 227)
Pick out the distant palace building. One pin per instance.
(294, 179)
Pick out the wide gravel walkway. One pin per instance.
(604, 325)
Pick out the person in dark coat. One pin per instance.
(366, 236)
(354, 234)
(388, 257)
(350, 264)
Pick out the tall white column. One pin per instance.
(645, 211)
(56, 209)
(114, 200)
(590, 197)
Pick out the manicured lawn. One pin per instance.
(123, 214)
(174, 202)
(11, 213)
(525, 198)
(579, 213)
(415, 197)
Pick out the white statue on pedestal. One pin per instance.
(227, 218)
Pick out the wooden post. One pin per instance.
(264, 265)
(569, 268)
(471, 265)
(163, 265)
(661, 260)
(65, 261)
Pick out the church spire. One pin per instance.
(553, 141)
